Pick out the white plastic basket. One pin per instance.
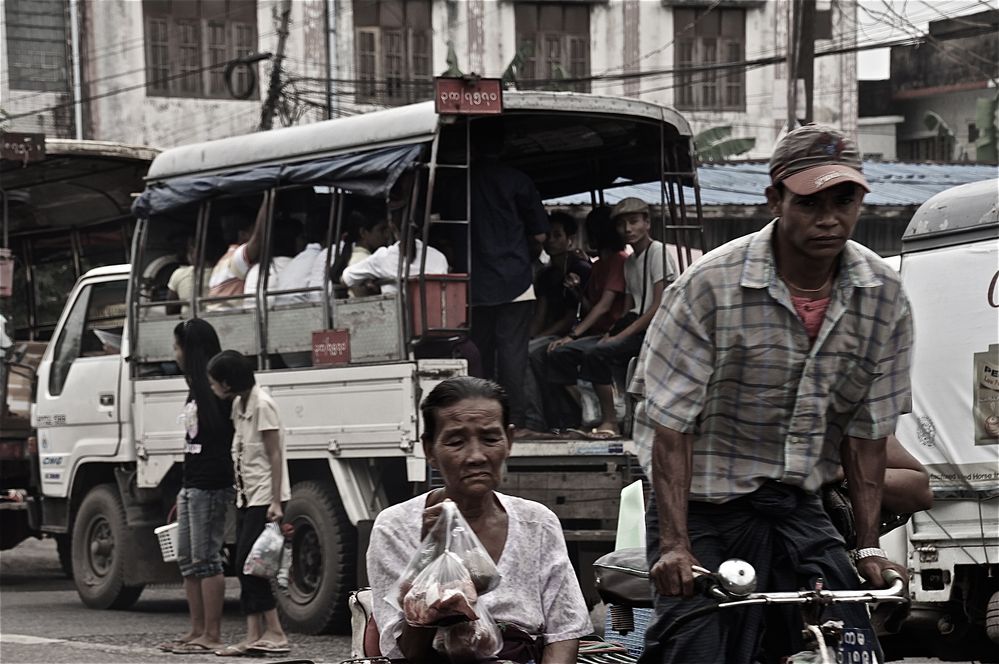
(167, 535)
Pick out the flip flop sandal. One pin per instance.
(231, 651)
(168, 646)
(603, 434)
(192, 649)
(268, 648)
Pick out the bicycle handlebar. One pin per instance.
(719, 588)
(890, 594)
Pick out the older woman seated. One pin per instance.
(538, 603)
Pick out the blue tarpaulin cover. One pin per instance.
(363, 173)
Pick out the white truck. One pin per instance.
(950, 269)
(347, 373)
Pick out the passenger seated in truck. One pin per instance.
(228, 277)
(287, 234)
(555, 310)
(538, 602)
(308, 268)
(382, 267)
(597, 358)
(364, 235)
(180, 286)
(603, 302)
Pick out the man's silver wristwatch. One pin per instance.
(870, 552)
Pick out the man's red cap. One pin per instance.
(815, 157)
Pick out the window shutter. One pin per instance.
(367, 44)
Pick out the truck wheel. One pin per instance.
(323, 562)
(64, 547)
(992, 618)
(101, 543)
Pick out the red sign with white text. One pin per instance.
(468, 96)
(330, 347)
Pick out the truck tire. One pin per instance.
(992, 618)
(101, 543)
(64, 547)
(323, 563)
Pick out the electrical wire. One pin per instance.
(604, 79)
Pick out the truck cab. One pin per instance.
(950, 270)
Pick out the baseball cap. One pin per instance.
(815, 157)
(629, 205)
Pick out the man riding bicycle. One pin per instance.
(771, 362)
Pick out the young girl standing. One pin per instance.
(262, 486)
(207, 490)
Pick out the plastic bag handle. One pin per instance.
(448, 516)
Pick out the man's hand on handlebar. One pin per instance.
(673, 573)
(873, 569)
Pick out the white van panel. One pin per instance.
(955, 366)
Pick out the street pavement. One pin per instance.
(43, 621)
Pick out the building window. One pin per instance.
(706, 37)
(36, 45)
(188, 43)
(823, 24)
(554, 38)
(931, 148)
(393, 44)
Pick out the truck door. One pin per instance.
(77, 410)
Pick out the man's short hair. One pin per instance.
(234, 222)
(233, 369)
(600, 230)
(568, 222)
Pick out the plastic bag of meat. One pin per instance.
(450, 533)
(470, 641)
(264, 559)
(442, 594)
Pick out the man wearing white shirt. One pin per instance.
(382, 266)
(308, 268)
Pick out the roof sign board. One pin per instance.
(24, 148)
(468, 96)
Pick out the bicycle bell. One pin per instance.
(737, 577)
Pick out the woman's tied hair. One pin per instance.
(453, 390)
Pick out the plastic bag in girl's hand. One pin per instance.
(472, 641)
(265, 556)
(442, 594)
(450, 533)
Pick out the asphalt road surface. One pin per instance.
(43, 621)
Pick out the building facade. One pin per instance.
(154, 71)
(946, 90)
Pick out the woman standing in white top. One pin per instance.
(262, 488)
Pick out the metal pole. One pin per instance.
(792, 63)
(6, 219)
(331, 56)
(807, 53)
(74, 31)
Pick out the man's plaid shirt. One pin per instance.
(727, 359)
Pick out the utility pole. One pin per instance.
(274, 88)
(793, 40)
(806, 54)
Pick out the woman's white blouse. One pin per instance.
(538, 592)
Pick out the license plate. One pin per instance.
(858, 646)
